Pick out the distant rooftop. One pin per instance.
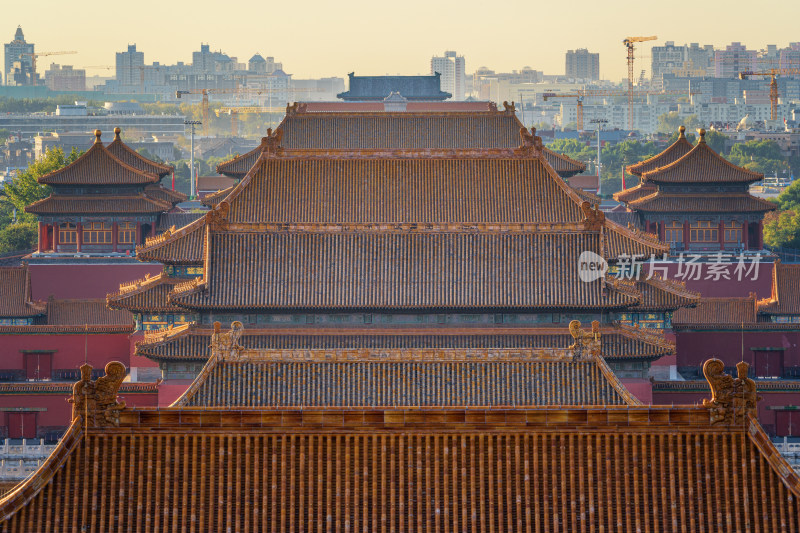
(377, 88)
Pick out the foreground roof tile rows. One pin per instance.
(15, 294)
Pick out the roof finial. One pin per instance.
(97, 135)
(117, 131)
(702, 133)
(682, 131)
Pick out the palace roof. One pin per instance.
(412, 88)
(146, 295)
(15, 294)
(61, 204)
(215, 198)
(701, 165)
(391, 378)
(162, 194)
(130, 157)
(613, 468)
(634, 193)
(191, 342)
(723, 202)
(785, 298)
(180, 246)
(98, 166)
(663, 294)
(82, 312)
(718, 312)
(674, 152)
(388, 131)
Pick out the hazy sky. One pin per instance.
(317, 38)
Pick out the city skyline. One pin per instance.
(358, 36)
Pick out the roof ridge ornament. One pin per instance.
(510, 109)
(702, 133)
(272, 142)
(96, 401)
(225, 346)
(217, 218)
(732, 399)
(595, 218)
(97, 135)
(587, 343)
(682, 132)
(117, 131)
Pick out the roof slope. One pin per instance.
(96, 204)
(79, 312)
(146, 295)
(15, 294)
(130, 157)
(785, 299)
(701, 165)
(98, 166)
(673, 152)
(660, 202)
(718, 311)
(548, 469)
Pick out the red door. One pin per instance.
(22, 425)
(38, 366)
(787, 423)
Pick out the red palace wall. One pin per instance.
(69, 349)
(84, 281)
(696, 347)
(761, 285)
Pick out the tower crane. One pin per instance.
(773, 85)
(582, 94)
(35, 55)
(629, 44)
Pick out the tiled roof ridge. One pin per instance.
(95, 148)
(701, 149)
(215, 197)
(625, 194)
(773, 304)
(776, 460)
(139, 284)
(407, 227)
(32, 307)
(153, 243)
(118, 142)
(672, 285)
(60, 329)
(643, 237)
(649, 336)
(158, 336)
(679, 142)
(66, 386)
(625, 287)
(566, 158)
(177, 195)
(160, 204)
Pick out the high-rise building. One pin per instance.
(18, 68)
(454, 78)
(130, 66)
(65, 78)
(582, 64)
(734, 59)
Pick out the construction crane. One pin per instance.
(581, 95)
(773, 85)
(629, 44)
(42, 54)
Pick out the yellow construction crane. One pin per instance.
(629, 44)
(42, 54)
(773, 85)
(580, 95)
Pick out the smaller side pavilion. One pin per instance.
(104, 203)
(696, 200)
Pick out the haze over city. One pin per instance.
(319, 38)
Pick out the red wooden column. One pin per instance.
(139, 238)
(39, 244)
(745, 235)
(114, 236)
(760, 234)
(55, 237)
(686, 234)
(80, 237)
(662, 231)
(721, 235)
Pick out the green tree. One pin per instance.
(24, 189)
(789, 199)
(671, 121)
(19, 236)
(764, 157)
(782, 229)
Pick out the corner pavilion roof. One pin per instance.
(673, 152)
(130, 157)
(99, 166)
(701, 165)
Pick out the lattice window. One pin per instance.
(704, 231)
(674, 232)
(126, 233)
(97, 233)
(733, 232)
(67, 234)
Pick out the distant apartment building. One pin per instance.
(683, 61)
(451, 66)
(130, 66)
(18, 67)
(734, 59)
(582, 64)
(790, 57)
(65, 78)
